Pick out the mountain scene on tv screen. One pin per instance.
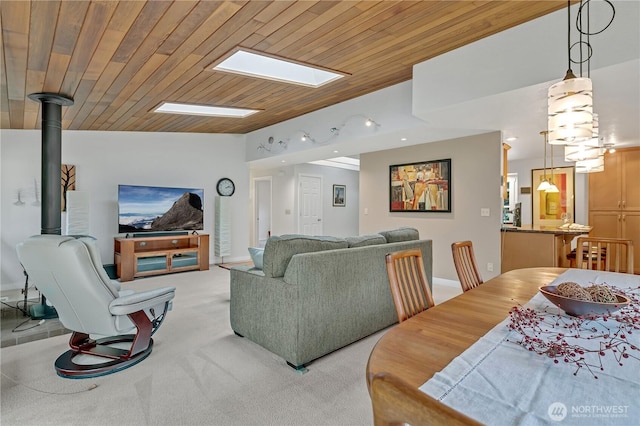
(145, 209)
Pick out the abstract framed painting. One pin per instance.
(423, 186)
(551, 209)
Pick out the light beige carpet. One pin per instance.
(199, 373)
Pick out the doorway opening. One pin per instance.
(262, 213)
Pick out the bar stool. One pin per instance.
(605, 254)
(571, 257)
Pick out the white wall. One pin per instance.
(475, 183)
(105, 159)
(283, 185)
(337, 221)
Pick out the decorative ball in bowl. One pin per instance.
(598, 300)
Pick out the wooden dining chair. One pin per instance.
(395, 403)
(465, 263)
(408, 282)
(605, 254)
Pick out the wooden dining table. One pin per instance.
(416, 349)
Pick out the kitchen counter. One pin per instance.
(547, 229)
(530, 246)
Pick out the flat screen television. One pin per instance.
(159, 209)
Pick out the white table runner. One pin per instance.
(499, 382)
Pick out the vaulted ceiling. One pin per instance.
(119, 60)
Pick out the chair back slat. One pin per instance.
(466, 266)
(410, 286)
(605, 254)
(408, 283)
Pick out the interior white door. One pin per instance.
(310, 205)
(263, 211)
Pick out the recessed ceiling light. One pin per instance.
(335, 151)
(213, 111)
(511, 139)
(403, 139)
(273, 68)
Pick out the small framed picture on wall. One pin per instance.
(339, 195)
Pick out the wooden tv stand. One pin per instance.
(154, 255)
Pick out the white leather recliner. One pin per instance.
(106, 322)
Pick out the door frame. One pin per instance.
(254, 212)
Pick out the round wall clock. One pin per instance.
(225, 187)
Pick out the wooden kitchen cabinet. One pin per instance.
(618, 186)
(614, 199)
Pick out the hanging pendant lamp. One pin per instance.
(544, 185)
(590, 166)
(587, 150)
(552, 186)
(570, 104)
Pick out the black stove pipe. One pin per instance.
(51, 222)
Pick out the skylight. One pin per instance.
(214, 111)
(339, 162)
(271, 68)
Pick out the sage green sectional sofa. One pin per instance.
(317, 294)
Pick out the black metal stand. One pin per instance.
(36, 312)
(42, 311)
(25, 292)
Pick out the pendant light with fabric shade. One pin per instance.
(590, 166)
(586, 150)
(570, 103)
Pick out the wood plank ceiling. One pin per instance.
(119, 60)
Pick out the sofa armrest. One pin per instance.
(264, 310)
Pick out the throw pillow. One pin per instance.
(366, 240)
(256, 256)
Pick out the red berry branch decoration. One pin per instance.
(581, 341)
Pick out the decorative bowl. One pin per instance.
(576, 307)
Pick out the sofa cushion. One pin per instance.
(256, 254)
(366, 240)
(279, 250)
(400, 234)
